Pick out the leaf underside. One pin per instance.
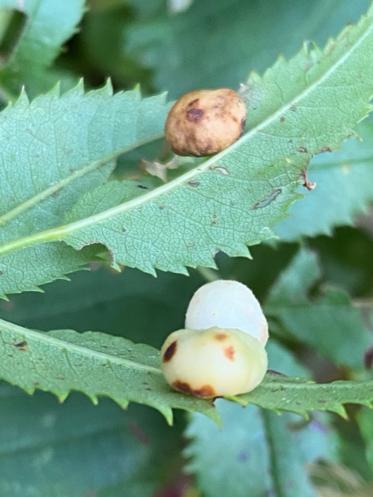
(224, 203)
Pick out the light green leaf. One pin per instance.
(300, 396)
(344, 189)
(186, 221)
(103, 450)
(261, 456)
(48, 25)
(94, 363)
(62, 147)
(229, 36)
(329, 323)
(264, 454)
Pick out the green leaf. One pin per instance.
(264, 454)
(131, 304)
(103, 450)
(344, 189)
(300, 396)
(98, 364)
(93, 363)
(229, 36)
(329, 323)
(186, 221)
(48, 25)
(62, 147)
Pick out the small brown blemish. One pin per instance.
(21, 346)
(282, 119)
(194, 114)
(229, 353)
(220, 336)
(170, 351)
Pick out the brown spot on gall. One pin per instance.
(170, 352)
(229, 353)
(194, 115)
(182, 386)
(193, 102)
(220, 336)
(206, 391)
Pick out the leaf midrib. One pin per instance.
(58, 232)
(69, 346)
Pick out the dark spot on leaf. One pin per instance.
(21, 346)
(219, 169)
(194, 115)
(293, 108)
(193, 183)
(170, 351)
(143, 187)
(325, 149)
(229, 353)
(214, 220)
(303, 150)
(282, 119)
(220, 336)
(276, 373)
(267, 200)
(321, 401)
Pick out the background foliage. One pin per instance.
(73, 151)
